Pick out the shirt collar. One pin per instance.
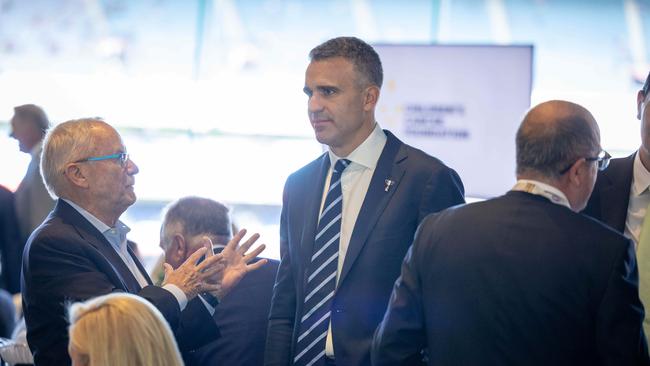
(640, 176)
(367, 154)
(542, 189)
(36, 150)
(121, 228)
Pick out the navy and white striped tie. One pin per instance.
(321, 282)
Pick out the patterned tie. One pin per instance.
(321, 282)
(643, 264)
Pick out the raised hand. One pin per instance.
(237, 262)
(193, 277)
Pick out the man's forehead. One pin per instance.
(329, 71)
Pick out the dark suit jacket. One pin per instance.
(611, 196)
(515, 280)
(383, 231)
(242, 318)
(11, 246)
(67, 260)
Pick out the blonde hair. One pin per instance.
(67, 142)
(120, 330)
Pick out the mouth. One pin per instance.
(320, 123)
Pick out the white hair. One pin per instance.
(67, 142)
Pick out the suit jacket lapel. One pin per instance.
(138, 264)
(90, 233)
(313, 198)
(376, 199)
(615, 194)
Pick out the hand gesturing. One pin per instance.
(193, 277)
(236, 262)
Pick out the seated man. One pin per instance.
(81, 251)
(522, 279)
(243, 315)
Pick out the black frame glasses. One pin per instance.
(123, 158)
(602, 160)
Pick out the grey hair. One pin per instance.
(549, 143)
(362, 55)
(199, 216)
(67, 142)
(35, 115)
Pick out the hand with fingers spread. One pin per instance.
(193, 277)
(237, 263)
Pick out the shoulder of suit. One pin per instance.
(617, 166)
(54, 231)
(421, 158)
(309, 169)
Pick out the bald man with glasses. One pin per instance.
(81, 251)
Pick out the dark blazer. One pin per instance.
(383, 231)
(66, 260)
(11, 245)
(611, 196)
(516, 280)
(242, 318)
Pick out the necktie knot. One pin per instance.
(340, 165)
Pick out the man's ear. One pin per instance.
(640, 98)
(371, 97)
(577, 174)
(75, 175)
(179, 248)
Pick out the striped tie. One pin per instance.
(321, 282)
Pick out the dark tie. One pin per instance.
(321, 280)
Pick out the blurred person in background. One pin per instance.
(29, 125)
(32, 201)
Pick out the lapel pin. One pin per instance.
(387, 184)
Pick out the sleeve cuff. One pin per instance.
(178, 294)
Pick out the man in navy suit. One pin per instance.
(348, 217)
(621, 196)
(81, 250)
(243, 315)
(522, 279)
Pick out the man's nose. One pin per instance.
(314, 104)
(131, 168)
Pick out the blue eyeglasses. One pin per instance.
(121, 157)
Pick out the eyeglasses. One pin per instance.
(122, 157)
(602, 160)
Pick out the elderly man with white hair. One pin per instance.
(80, 251)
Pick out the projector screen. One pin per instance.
(461, 104)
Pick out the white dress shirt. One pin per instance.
(355, 181)
(639, 200)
